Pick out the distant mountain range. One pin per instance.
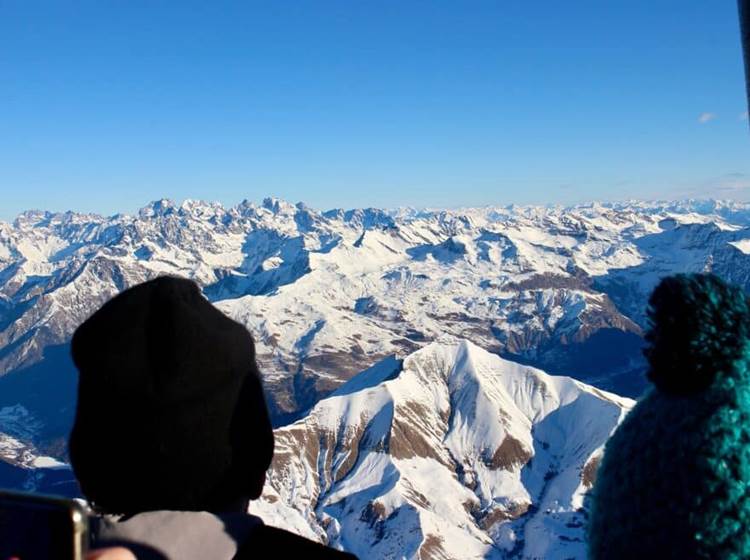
(330, 294)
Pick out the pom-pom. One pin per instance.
(699, 328)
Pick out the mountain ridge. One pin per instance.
(451, 453)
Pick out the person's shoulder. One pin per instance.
(266, 540)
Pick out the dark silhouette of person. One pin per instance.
(172, 437)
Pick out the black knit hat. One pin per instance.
(171, 413)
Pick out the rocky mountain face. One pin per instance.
(453, 452)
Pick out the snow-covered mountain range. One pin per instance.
(330, 294)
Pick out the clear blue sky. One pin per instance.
(106, 105)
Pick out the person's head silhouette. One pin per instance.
(674, 478)
(171, 413)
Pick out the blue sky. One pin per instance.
(105, 106)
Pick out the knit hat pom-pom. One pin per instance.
(699, 328)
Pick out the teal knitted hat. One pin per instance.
(674, 481)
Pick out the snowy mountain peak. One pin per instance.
(157, 208)
(278, 206)
(452, 453)
(31, 218)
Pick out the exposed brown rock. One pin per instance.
(406, 441)
(510, 454)
(471, 506)
(374, 513)
(549, 280)
(588, 476)
(271, 339)
(378, 509)
(344, 364)
(296, 442)
(417, 497)
(405, 345)
(462, 318)
(327, 442)
(499, 515)
(351, 459)
(432, 549)
(445, 416)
